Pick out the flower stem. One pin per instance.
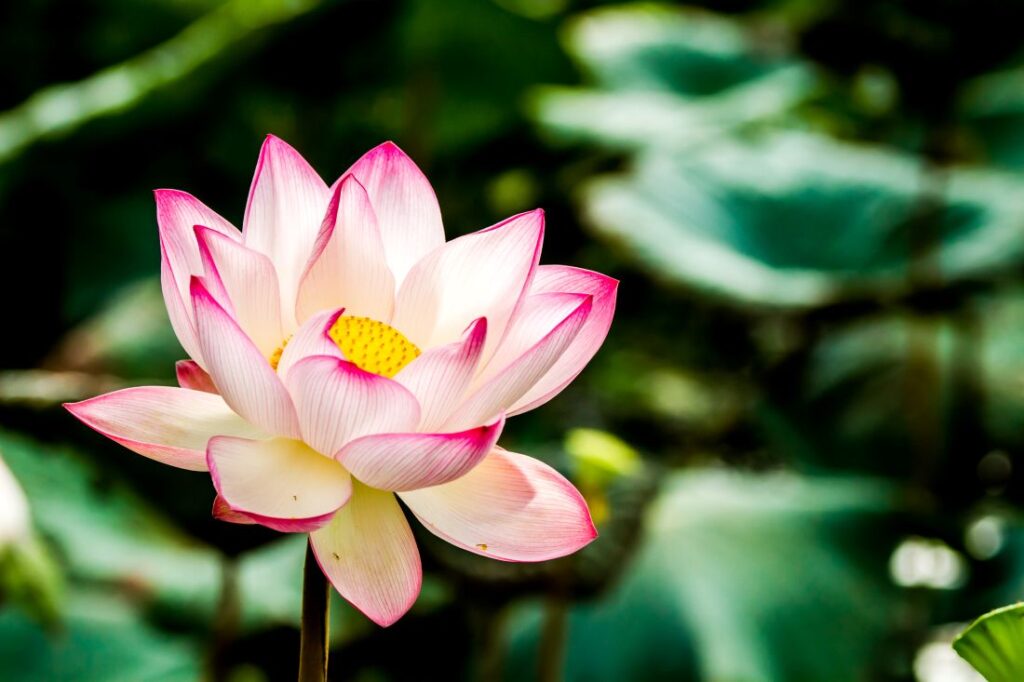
(315, 605)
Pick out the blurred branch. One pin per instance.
(63, 108)
(41, 388)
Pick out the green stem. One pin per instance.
(315, 604)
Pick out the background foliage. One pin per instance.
(801, 440)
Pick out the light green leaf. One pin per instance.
(994, 644)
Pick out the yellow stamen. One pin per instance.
(276, 357)
(373, 346)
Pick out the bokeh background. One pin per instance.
(801, 441)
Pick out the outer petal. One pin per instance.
(179, 314)
(535, 319)
(552, 278)
(170, 425)
(510, 507)
(440, 376)
(369, 554)
(508, 385)
(176, 214)
(279, 483)
(405, 204)
(249, 283)
(407, 461)
(338, 402)
(312, 338)
(287, 202)
(348, 267)
(191, 375)
(483, 274)
(243, 375)
(222, 511)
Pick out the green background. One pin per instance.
(803, 434)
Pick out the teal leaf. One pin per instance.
(798, 220)
(739, 577)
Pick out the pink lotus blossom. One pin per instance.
(342, 353)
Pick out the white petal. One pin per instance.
(280, 483)
(440, 376)
(405, 204)
(170, 425)
(348, 268)
(312, 338)
(338, 402)
(504, 388)
(369, 554)
(510, 507)
(483, 274)
(249, 283)
(242, 374)
(287, 203)
(562, 278)
(407, 461)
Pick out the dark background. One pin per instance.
(800, 441)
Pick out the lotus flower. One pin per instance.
(343, 353)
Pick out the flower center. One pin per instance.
(370, 345)
(373, 346)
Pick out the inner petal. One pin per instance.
(373, 346)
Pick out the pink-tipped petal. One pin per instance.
(177, 213)
(180, 315)
(312, 338)
(510, 507)
(562, 278)
(507, 386)
(440, 376)
(535, 319)
(248, 280)
(369, 554)
(242, 374)
(483, 274)
(348, 267)
(405, 204)
(338, 402)
(279, 483)
(170, 425)
(408, 461)
(191, 375)
(287, 202)
(222, 511)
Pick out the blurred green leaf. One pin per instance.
(31, 580)
(793, 219)
(667, 77)
(106, 534)
(739, 577)
(104, 640)
(867, 385)
(994, 644)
